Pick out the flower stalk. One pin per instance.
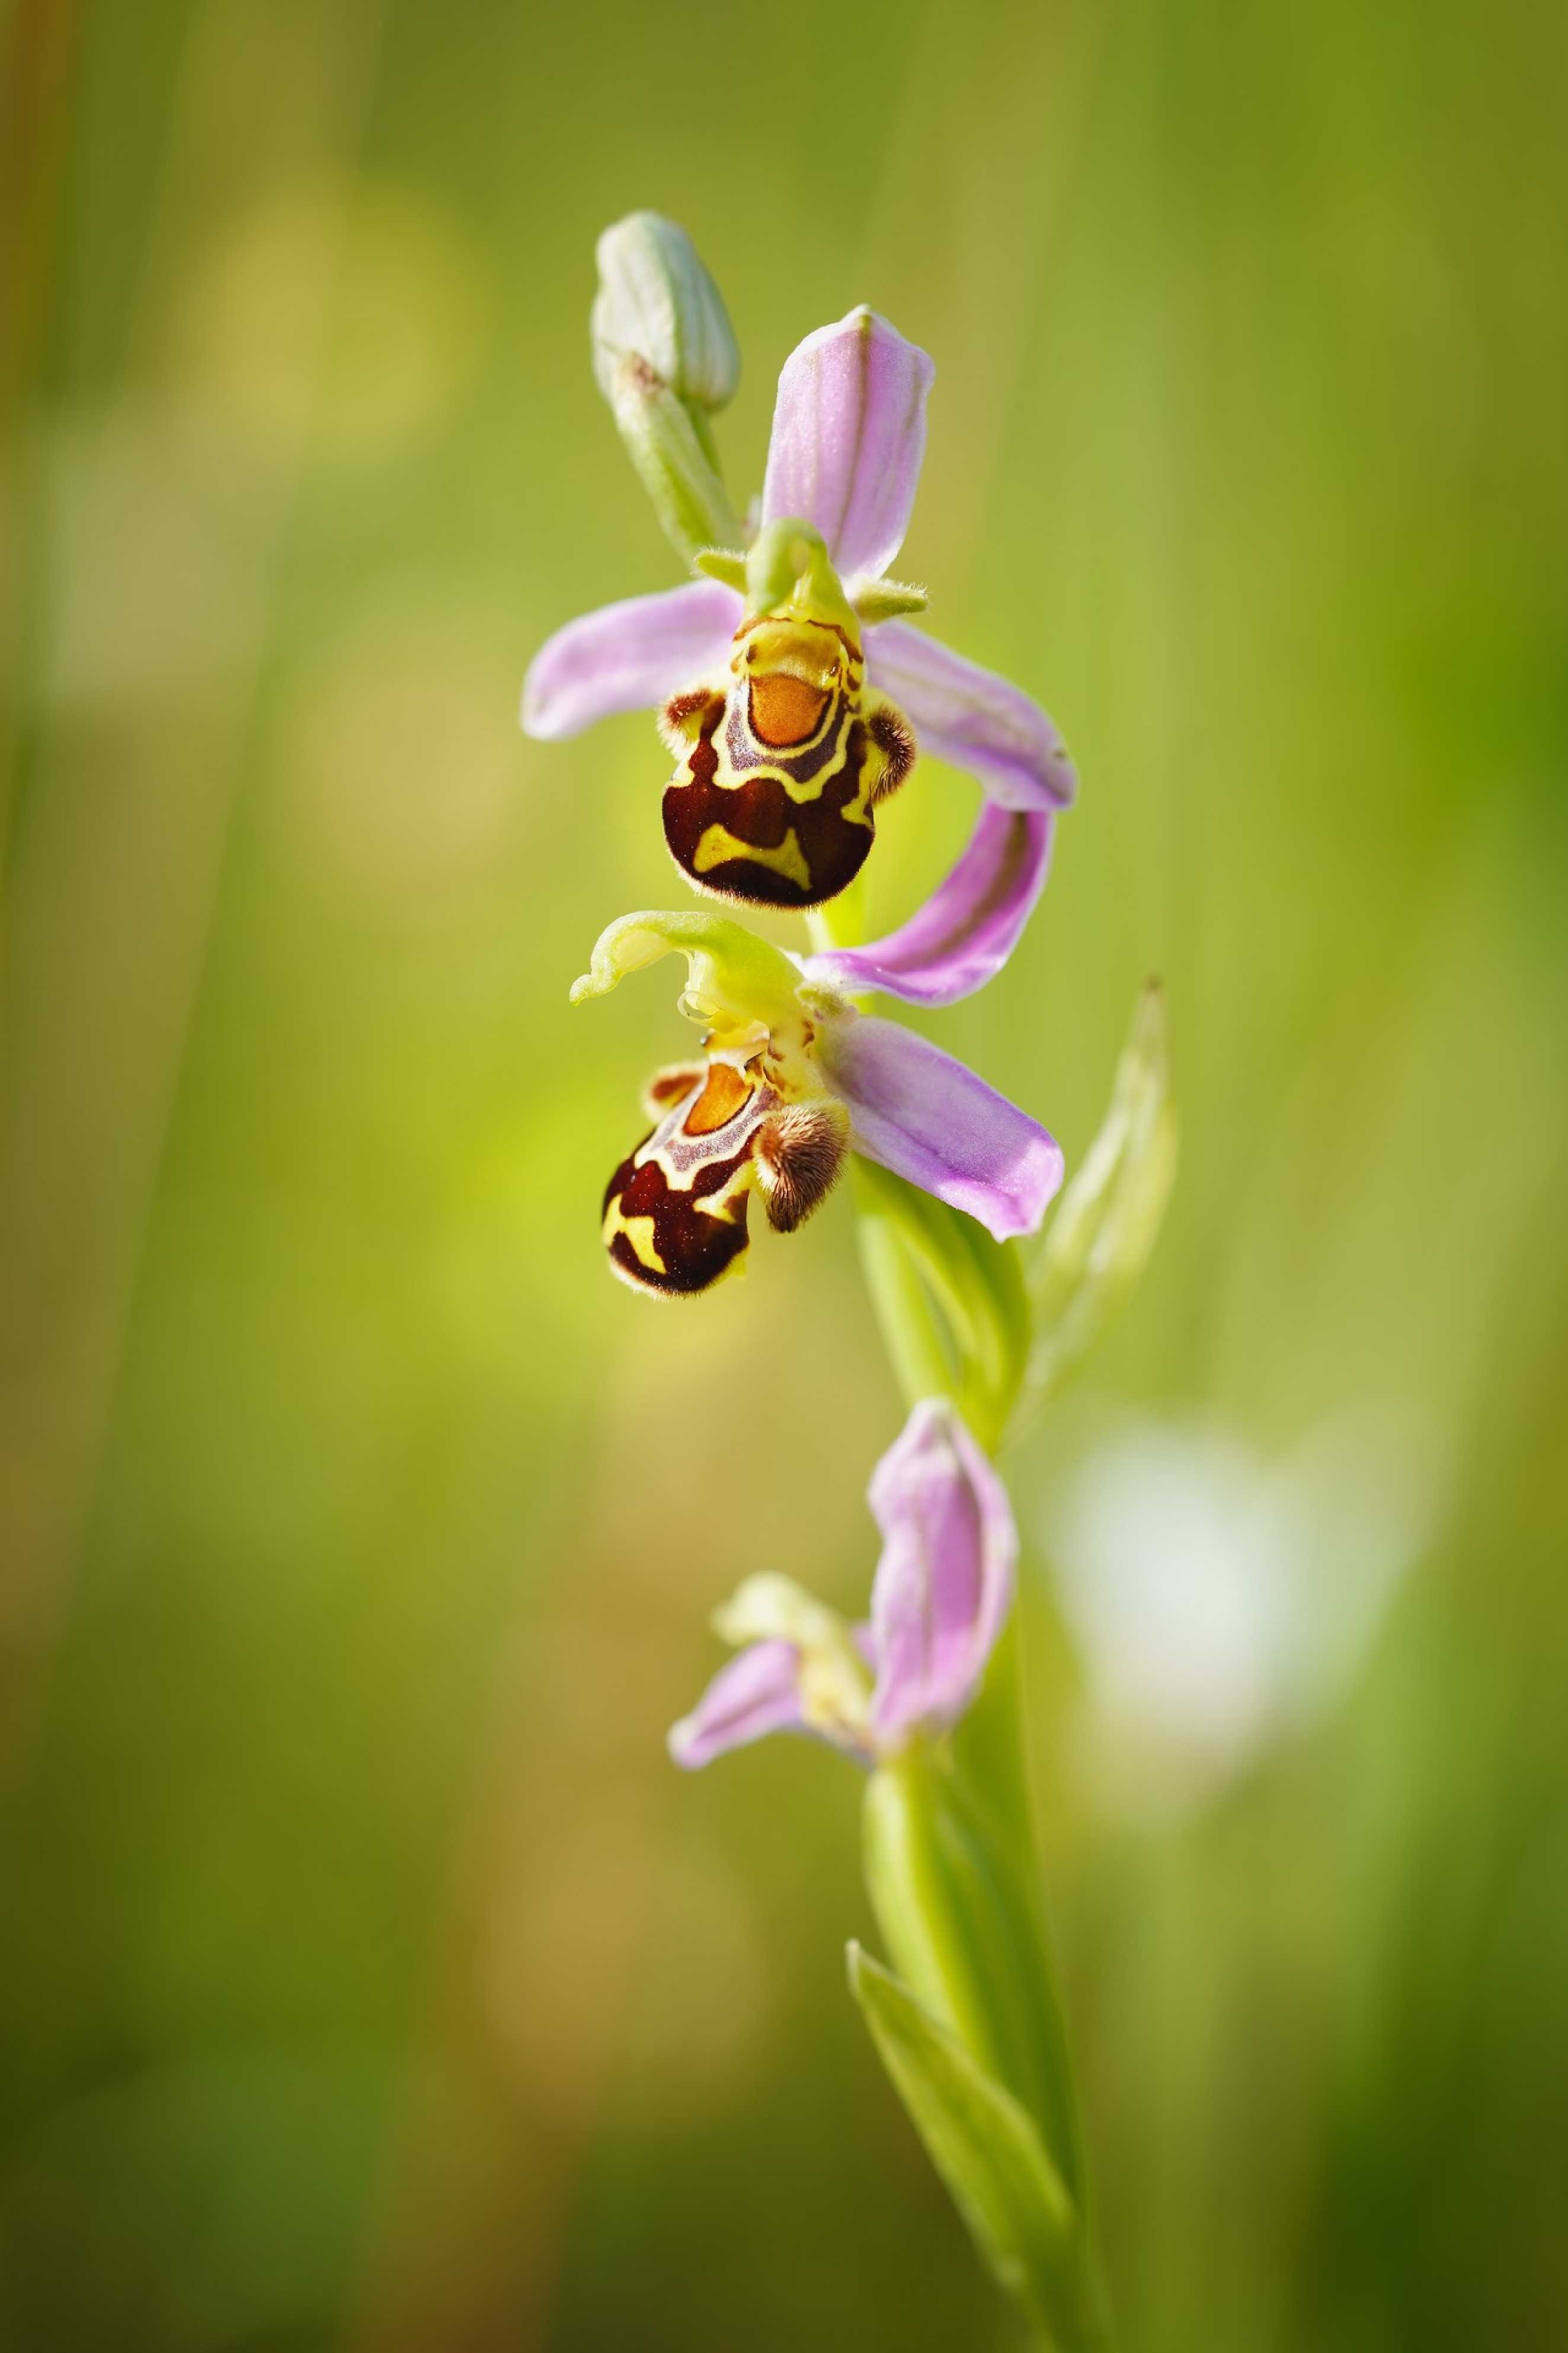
(949, 1847)
(795, 696)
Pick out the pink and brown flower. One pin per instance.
(791, 1079)
(794, 691)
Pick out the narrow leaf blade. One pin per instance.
(988, 2152)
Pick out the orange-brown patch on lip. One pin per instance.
(785, 709)
(725, 1094)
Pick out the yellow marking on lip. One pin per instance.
(719, 845)
(722, 1204)
(813, 788)
(639, 1232)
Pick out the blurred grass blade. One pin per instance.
(990, 2155)
(1100, 1240)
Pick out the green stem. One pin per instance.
(912, 1330)
(960, 1910)
(951, 1851)
(991, 1774)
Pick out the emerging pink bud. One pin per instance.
(943, 1590)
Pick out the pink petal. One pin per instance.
(973, 718)
(755, 1693)
(944, 1583)
(628, 657)
(918, 1112)
(849, 430)
(968, 926)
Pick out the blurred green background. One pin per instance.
(369, 1979)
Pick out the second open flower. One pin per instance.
(791, 1079)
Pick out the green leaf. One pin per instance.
(960, 1913)
(913, 1333)
(951, 1300)
(989, 2154)
(1106, 1224)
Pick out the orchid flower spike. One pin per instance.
(941, 1596)
(790, 1080)
(790, 690)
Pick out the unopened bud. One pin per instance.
(665, 358)
(657, 303)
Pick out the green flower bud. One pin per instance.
(657, 303)
(665, 359)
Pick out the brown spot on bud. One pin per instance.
(799, 1154)
(785, 710)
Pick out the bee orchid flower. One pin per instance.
(940, 1598)
(793, 693)
(790, 1080)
